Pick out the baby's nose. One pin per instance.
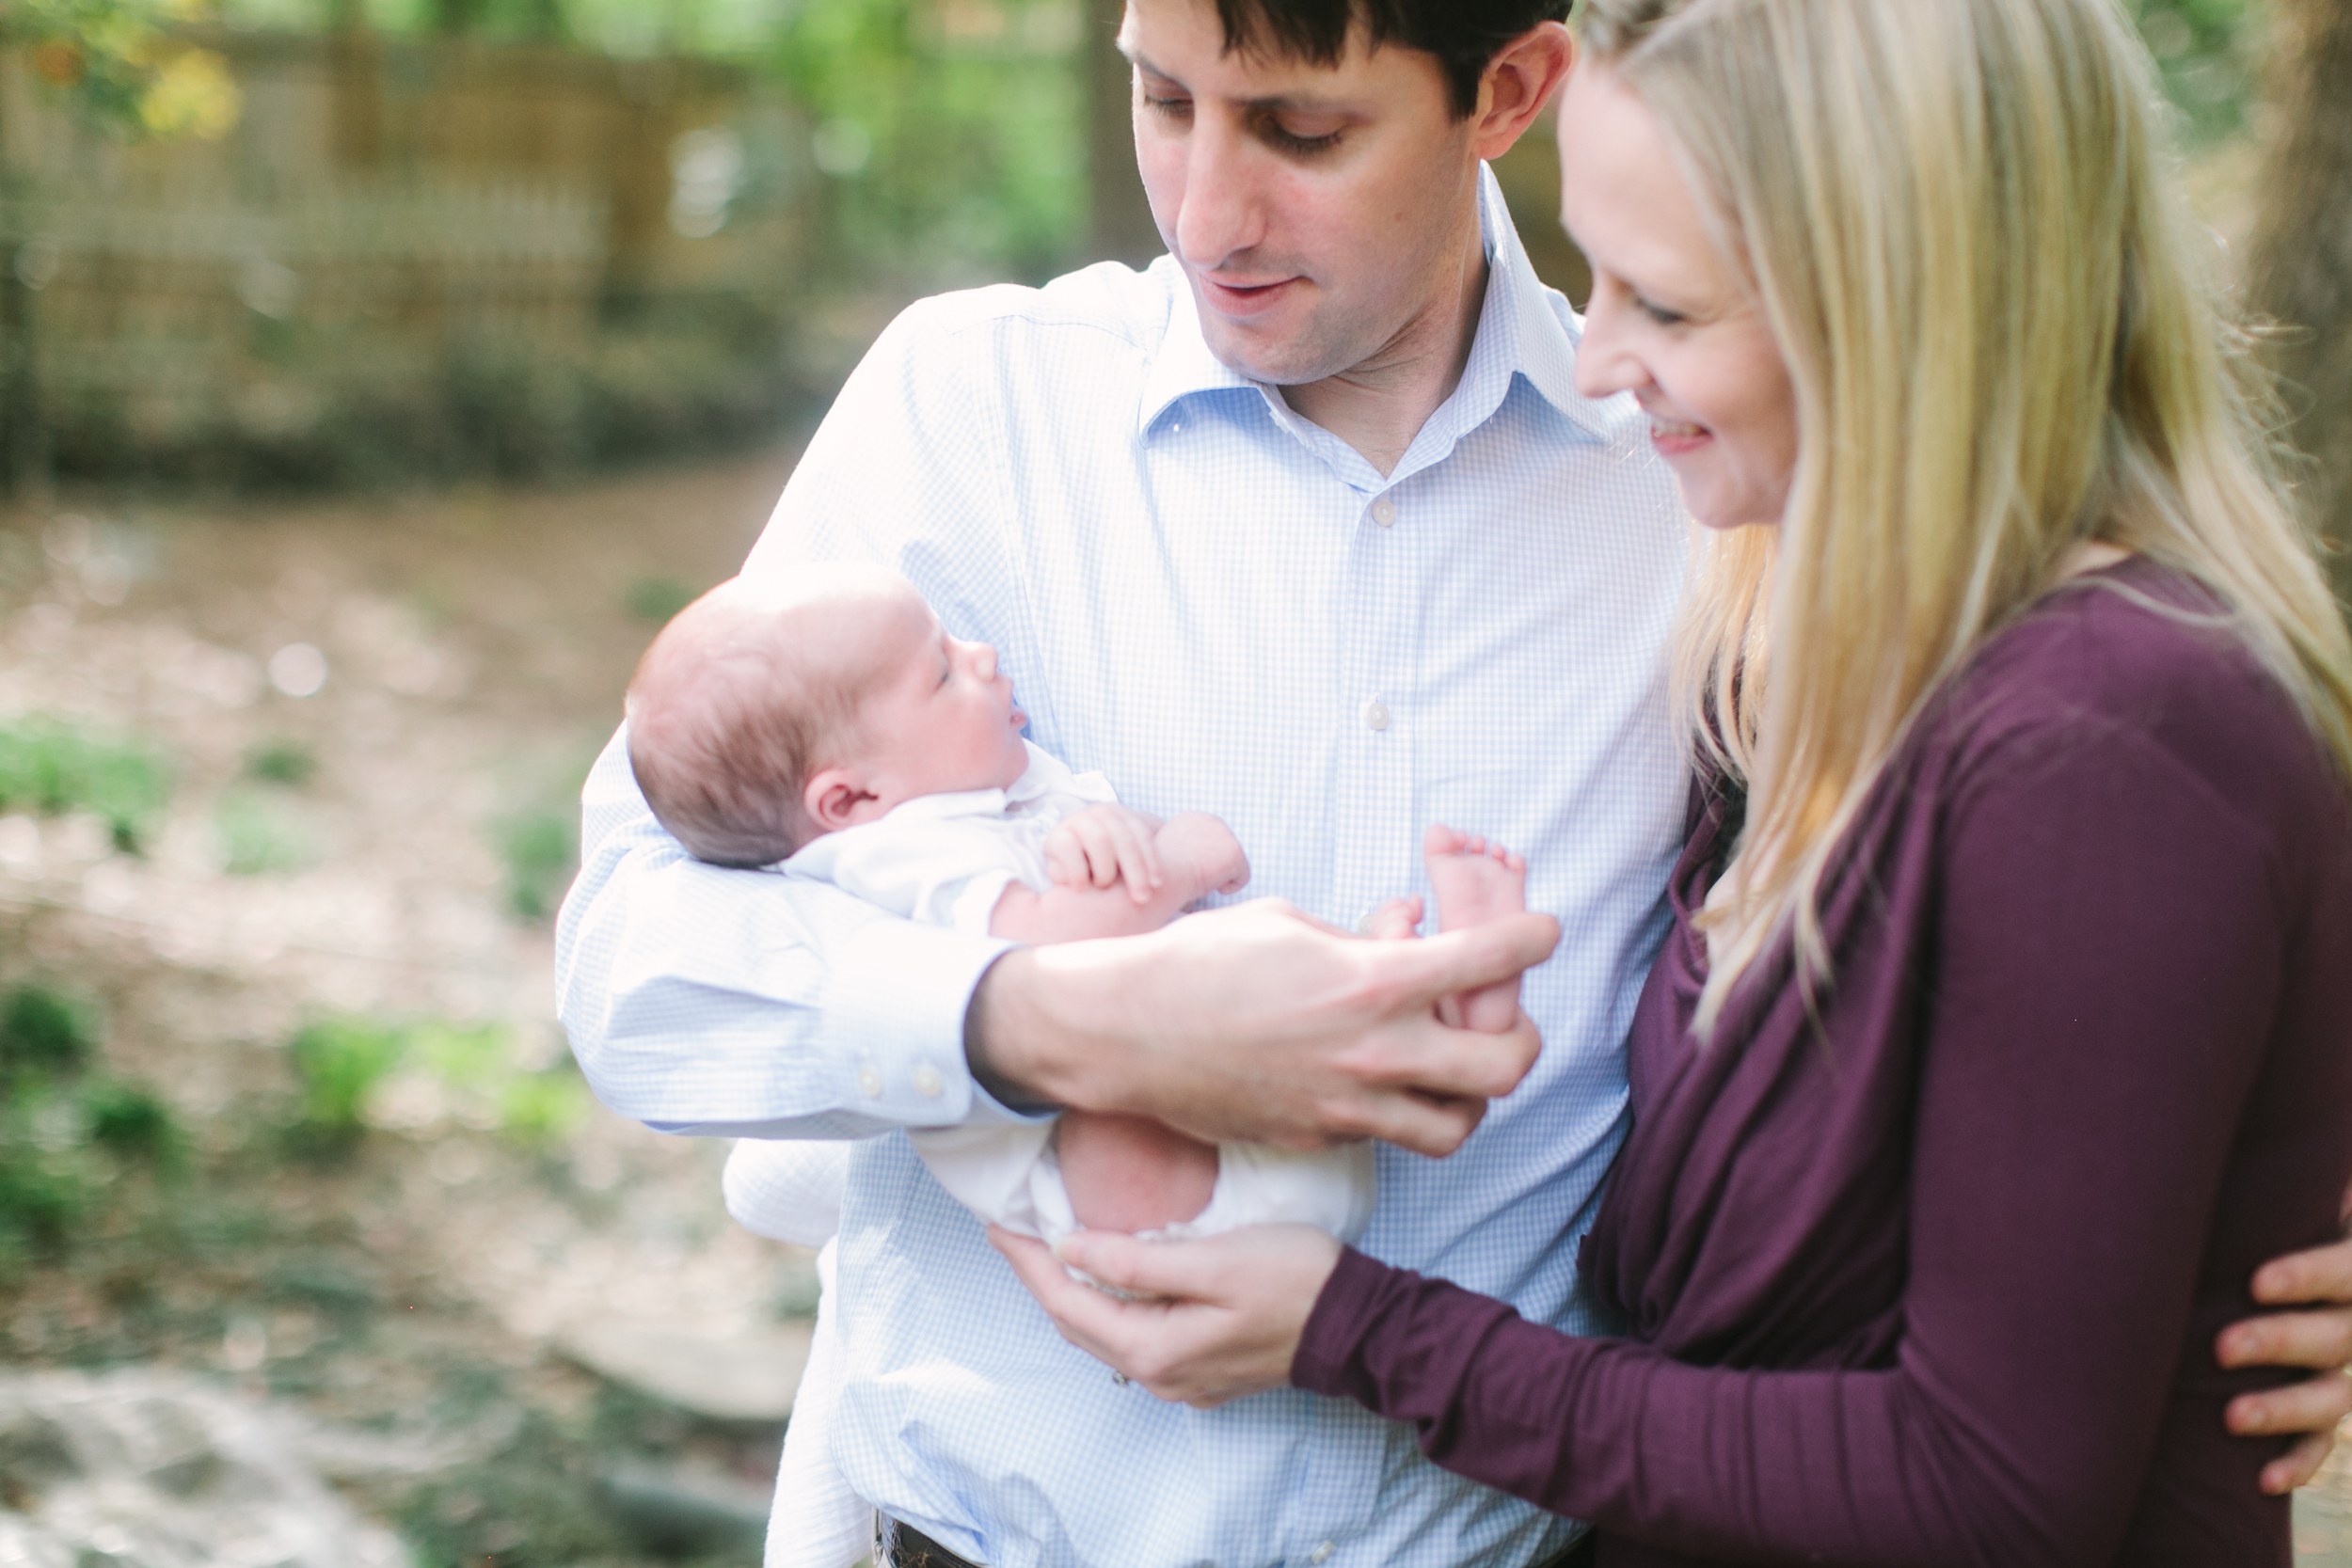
(985, 662)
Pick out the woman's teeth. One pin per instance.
(1666, 429)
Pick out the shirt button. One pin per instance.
(1375, 715)
(927, 1082)
(1384, 512)
(1320, 1553)
(869, 1083)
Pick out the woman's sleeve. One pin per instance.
(2104, 980)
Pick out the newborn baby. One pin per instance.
(836, 729)
(832, 730)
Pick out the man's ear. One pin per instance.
(836, 798)
(1524, 75)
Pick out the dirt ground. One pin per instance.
(426, 1280)
(430, 1281)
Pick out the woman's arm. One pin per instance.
(2075, 1113)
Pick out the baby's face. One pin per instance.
(942, 718)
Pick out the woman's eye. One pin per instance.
(1660, 313)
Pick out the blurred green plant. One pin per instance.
(119, 61)
(339, 1064)
(656, 599)
(952, 138)
(53, 768)
(45, 1032)
(65, 1134)
(541, 847)
(281, 761)
(2206, 50)
(260, 835)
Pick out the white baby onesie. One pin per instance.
(945, 860)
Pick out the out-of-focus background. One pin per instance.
(375, 375)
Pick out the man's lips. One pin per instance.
(1234, 299)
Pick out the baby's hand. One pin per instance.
(1102, 845)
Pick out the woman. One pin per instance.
(2002, 1029)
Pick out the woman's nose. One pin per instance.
(1603, 365)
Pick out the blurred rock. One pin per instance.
(745, 1377)
(147, 1469)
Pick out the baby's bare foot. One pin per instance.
(1200, 853)
(1395, 920)
(1128, 1173)
(1474, 883)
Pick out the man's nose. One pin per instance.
(1222, 215)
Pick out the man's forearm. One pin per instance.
(1002, 1017)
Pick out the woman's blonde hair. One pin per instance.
(2005, 344)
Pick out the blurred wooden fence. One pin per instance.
(382, 204)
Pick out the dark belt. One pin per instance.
(904, 1547)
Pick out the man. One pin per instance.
(1304, 527)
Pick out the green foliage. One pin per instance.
(130, 1119)
(53, 768)
(260, 834)
(338, 1064)
(2205, 49)
(281, 762)
(539, 1110)
(656, 599)
(43, 1032)
(118, 61)
(63, 1137)
(541, 847)
(951, 159)
(499, 409)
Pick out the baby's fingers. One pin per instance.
(1138, 857)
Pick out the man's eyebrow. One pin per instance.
(1271, 103)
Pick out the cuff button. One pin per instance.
(928, 1082)
(869, 1083)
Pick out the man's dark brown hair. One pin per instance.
(1465, 34)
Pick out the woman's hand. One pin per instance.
(1226, 1313)
(2321, 1277)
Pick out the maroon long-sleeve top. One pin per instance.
(1937, 1280)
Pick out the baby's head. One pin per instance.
(766, 714)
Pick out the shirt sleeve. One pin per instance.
(2076, 1105)
(704, 1000)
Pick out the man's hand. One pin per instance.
(1257, 1023)
(1104, 845)
(1221, 1318)
(2321, 1277)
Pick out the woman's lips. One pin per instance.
(1672, 437)
(1246, 299)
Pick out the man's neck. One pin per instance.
(1379, 406)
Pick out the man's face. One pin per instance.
(1315, 209)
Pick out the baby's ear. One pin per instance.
(836, 798)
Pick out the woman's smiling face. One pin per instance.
(1671, 320)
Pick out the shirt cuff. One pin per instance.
(1350, 1303)
(901, 993)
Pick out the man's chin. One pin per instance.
(1276, 354)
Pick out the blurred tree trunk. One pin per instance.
(2299, 264)
(1120, 223)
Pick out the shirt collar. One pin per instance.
(1521, 332)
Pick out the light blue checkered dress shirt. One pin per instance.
(1224, 609)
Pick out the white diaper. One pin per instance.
(1008, 1176)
